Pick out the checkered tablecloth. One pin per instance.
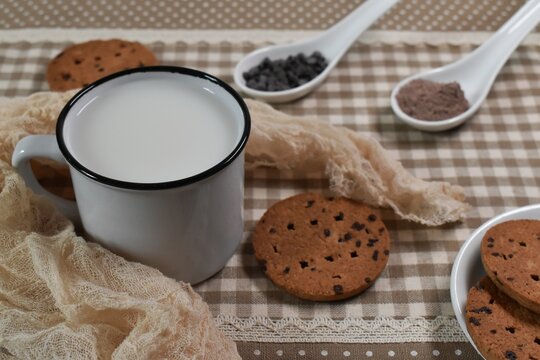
(494, 157)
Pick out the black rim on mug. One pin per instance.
(160, 185)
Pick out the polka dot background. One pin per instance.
(415, 15)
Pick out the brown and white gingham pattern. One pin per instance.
(494, 156)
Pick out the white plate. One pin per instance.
(468, 269)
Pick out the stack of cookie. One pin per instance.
(321, 249)
(503, 309)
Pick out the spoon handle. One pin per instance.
(502, 44)
(337, 39)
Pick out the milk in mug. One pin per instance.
(155, 129)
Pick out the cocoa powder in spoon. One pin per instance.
(428, 100)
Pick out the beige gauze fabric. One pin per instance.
(357, 166)
(64, 298)
(61, 297)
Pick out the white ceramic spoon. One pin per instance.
(332, 44)
(477, 71)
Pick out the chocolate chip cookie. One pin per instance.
(321, 248)
(511, 256)
(82, 64)
(500, 327)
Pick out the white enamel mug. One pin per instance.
(189, 227)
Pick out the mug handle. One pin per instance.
(44, 146)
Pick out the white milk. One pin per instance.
(144, 129)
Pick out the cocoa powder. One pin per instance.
(428, 100)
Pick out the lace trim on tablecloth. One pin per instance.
(379, 330)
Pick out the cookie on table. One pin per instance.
(511, 256)
(321, 248)
(500, 327)
(82, 64)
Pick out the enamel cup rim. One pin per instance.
(227, 160)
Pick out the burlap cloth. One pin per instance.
(62, 297)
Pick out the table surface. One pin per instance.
(407, 313)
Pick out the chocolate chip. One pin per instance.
(372, 241)
(117, 54)
(310, 203)
(372, 218)
(77, 61)
(339, 217)
(483, 309)
(375, 255)
(489, 245)
(537, 341)
(282, 74)
(338, 289)
(314, 222)
(313, 269)
(493, 331)
(474, 321)
(101, 69)
(535, 277)
(275, 248)
(510, 279)
(510, 329)
(491, 301)
(521, 243)
(290, 226)
(367, 280)
(381, 231)
(510, 256)
(286, 270)
(354, 254)
(490, 239)
(122, 45)
(347, 236)
(510, 355)
(357, 226)
(386, 252)
(327, 232)
(66, 76)
(272, 230)
(329, 258)
(511, 240)
(303, 264)
(97, 58)
(495, 254)
(336, 276)
(358, 243)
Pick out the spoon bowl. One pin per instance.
(475, 72)
(275, 52)
(474, 98)
(332, 44)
